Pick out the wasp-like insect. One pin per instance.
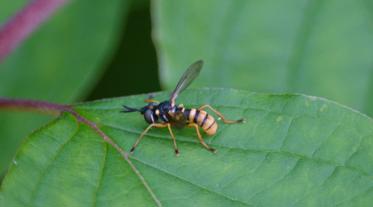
(167, 113)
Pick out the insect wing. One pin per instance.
(189, 75)
(177, 119)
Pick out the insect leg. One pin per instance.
(200, 138)
(226, 121)
(173, 139)
(157, 125)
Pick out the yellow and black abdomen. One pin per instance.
(200, 117)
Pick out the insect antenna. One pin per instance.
(128, 109)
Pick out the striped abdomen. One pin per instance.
(200, 117)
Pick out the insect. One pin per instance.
(167, 114)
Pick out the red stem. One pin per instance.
(34, 105)
(25, 22)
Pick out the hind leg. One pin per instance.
(201, 139)
(226, 121)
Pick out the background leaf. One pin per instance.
(60, 62)
(134, 58)
(294, 150)
(321, 48)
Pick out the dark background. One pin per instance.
(136, 53)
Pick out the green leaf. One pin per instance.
(293, 150)
(60, 62)
(10, 8)
(311, 47)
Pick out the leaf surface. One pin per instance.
(310, 47)
(293, 150)
(60, 62)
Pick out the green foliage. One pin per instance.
(60, 62)
(293, 150)
(133, 68)
(321, 48)
(9, 8)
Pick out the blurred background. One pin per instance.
(92, 49)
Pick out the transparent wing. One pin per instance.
(189, 75)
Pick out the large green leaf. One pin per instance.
(60, 62)
(313, 47)
(293, 150)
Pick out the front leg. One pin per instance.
(151, 99)
(157, 125)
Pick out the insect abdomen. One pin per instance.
(205, 121)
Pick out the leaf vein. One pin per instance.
(51, 162)
(293, 154)
(102, 171)
(278, 181)
(321, 184)
(368, 190)
(190, 182)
